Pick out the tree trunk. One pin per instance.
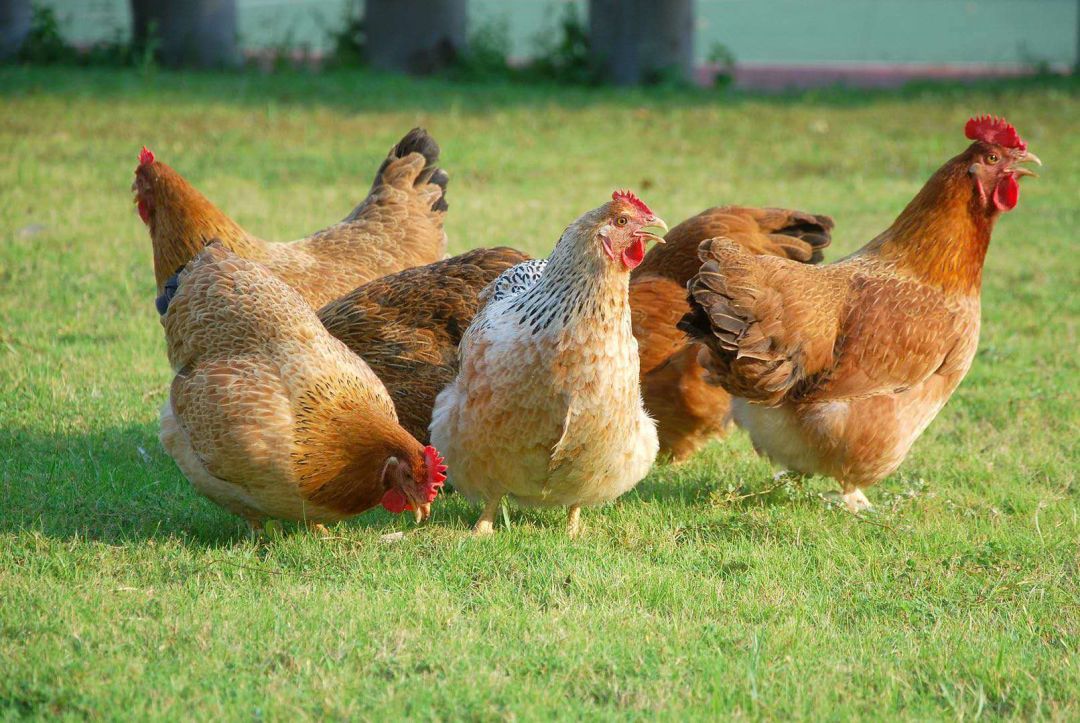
(414, 36)
(198, 33)
(14, 26)
(642, 41)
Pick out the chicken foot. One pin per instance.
(855, 499)
(318, 528)
(486, 524)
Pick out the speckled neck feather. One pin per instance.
(578, 282)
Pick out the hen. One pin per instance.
(269, 415)
(688, 410)
(398, 225)
(407, 326)
(546, 406)
(837, 369)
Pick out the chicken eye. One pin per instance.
(621, 221)
(992, 158)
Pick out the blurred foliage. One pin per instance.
(564, 56)
(487, 55)
(349, 39)
(45, 45)
(721, 57)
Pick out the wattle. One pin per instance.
(144, 211)
(1007, 193)
(633, 254)
(394, 500)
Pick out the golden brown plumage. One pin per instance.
(269, 415)
(838, 369)
(398, 225)
(407, 326)
(688, 410)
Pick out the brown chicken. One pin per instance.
(270, 416)
(688, 410)
(837, 369)
(398, 225)
(407, 326)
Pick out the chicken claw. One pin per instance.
(486, 524)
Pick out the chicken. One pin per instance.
(546, 406)
(838, 369)
(407, 326)
(688, 410)
(270, 416)
(398, 225)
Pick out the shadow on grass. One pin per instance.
(368, 91)
(119, 485)
(115, 485)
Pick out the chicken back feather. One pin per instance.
(407, 326)
(398, 225)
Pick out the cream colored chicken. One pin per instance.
(546, 406)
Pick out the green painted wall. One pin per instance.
(757, 31)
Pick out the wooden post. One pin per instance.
(199, 33)
(641, 41)
(414, 36)
(14, 25)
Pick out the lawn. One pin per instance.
(707, 591)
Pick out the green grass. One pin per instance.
(123, 594)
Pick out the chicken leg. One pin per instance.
(255, 526)
(486, 524)
(573, 520)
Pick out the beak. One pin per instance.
(1025, 157)
(654, 222)
(421, 510)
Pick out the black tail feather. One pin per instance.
(168, 291)
(812, 229)
(419, 141)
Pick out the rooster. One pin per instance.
(270, 416)
(407, 326)
(688, 410)
(546, 406)
(838, 369)
(398, 225)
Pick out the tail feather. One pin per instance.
(419, 141)
(172, 285)
(812, 229)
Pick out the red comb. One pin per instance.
(998, 131)
(436, 472)
(146, 156)
(633, 200)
